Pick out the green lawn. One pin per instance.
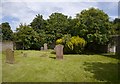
(0, 67)
(41, 66)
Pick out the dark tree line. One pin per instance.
(93, 25)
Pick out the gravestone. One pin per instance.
(45, 46)
(10, 56)
(59, 51)
(41, 48)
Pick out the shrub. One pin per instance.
(59, 41)
(73, 44)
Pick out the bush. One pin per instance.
(72, 45)
(59, 41)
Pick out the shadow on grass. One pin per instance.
(103, 71)
(52, 57)
(111, 55)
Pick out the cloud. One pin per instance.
(110, 8)
(17, 10)
(25, 12)
(60, 0)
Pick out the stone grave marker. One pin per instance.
(45, 46)
(10, 56)
(42, 48)
(59, 51)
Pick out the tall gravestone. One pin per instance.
(10, 56)
(59, 51)
(45, 46)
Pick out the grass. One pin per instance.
(41, 66)
(0, 67)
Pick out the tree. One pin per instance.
(27, 36)
(57, 25)
(94, 25)
(116, 24)
(72, 26)
(38, 23)
(7, 33)
(117, 29)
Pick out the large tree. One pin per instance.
(7, 33)
(117, 29)
(72, 26)
(116, 24)
(94, 25)
(57, 25)
(38, 23)
(27, 36)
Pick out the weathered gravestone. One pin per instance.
(59, 51)
(41, 48)
(10, 56)
(45, 46)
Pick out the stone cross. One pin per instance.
(41, 48)
(59, 51)
(10, 56)
(45, 46)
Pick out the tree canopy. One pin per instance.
(7, 33)
(38, 23)
(27, 36)
(57, 25)
(91, 24)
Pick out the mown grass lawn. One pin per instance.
(41, 66)
(0, 67)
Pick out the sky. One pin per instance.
(24, 11)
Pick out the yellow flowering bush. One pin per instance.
(73, 44)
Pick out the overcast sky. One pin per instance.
(16, 12)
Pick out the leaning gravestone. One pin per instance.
(59, 51)
(10, 56)
(45, 46)
(41, 48)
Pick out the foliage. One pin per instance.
(73, 44)
(116, 25)
(7, 33)
(72, 27)
(93, 25)
(26, 35)
(38, 23)
(57, 25)
(59, 41)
